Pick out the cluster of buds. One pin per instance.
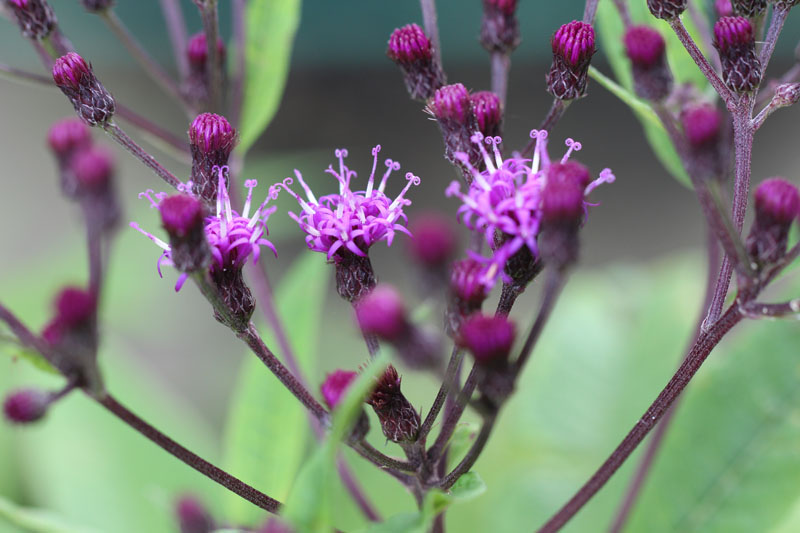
(667, 9)
(195, 86)
(453, 109)
(489, 339)
(573, 48)
(413, 52)
(646, 48)
(35, 18)
(92, 102)
(777, 206)
(211, 141)
(499, 26)
(383, 313)
(399, 420)
(734, 39)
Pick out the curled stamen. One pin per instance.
(572, 145)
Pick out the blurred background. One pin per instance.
(615, 338)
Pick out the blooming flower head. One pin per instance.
(232, 237)
(350, 221)
(505, 200)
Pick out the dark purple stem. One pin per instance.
(208, 13)
(775, 27)
(589, 11)
(367, 451)
(553, 116)
(447, 387)
(501, 64)
(151, 128)
(122, 138)
(212, 472)
(700, 351)
(94, 241)
(472, 455)
(431, 24)
(452, 418)
(553, 286)
(238, 8)
(176, 27)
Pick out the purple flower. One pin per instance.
(350, 221)
(505, 200)
(232, 237)
(335, 386)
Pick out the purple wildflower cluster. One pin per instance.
(233, 237)
(505, 200)
(350, 221)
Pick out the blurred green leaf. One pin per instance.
(463, 437)
(31, 356)
(270, 30)
(37, 520)
(468, 486)
(267, 427)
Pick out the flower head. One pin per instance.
(233, 237)
(734, 39)
(350, 221)
(573, 47)
(413, 52)
(92, 102)
(35, 18)
(506, 199)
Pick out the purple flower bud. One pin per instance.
(748, 8)
(452, 107)
(488, 112)
(193, 517)
(467, 285)
(94, 6)
(723, 8)
(335, 386)
(434, 241)
(355, 277)
(573, 47)
(488, 338)
(735, 41)
(196, 85)
(702, 124)
(35, 18)
(211, 139)
(399, 420)
(412, 51)
(777, 205)
(93, 169)
(499, 26)
(383, 313)
(197, 50)
(74, 311)
(25, 406)
(183, 217)
(666, 9)
(563, 211)
(274, 525)
(68, 135)
(786, 94)
(93, 103)
(651, 75)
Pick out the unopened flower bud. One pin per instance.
(197, 50)
(399, 420)
(777, 206)
(193, 517)
(275, 525)
(95, 6)
(646, 48)
(499, 26)
(66, 138)
(196, 85)
(723, 8)
(734, 39)
(211, 140)
(25, 406)
(452, 107)
(748, 8)
(355, 277)
(488, 112)
(467, 292)
(383, 313)
(563, 211)
(666, 9)
(93, 169)
(703, 125)
(35, 18)
(334, 389)
(786, 94)
(93, 103)
(183, 218)
(489, 339)
(573, 47)
(433, 240)
(413, 52)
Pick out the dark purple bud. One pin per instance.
(723, 8)
(93, 103)
(488, 112)
(646, 48)
(382, 313)
(183, 218)
(68, 135)
(197, 50)
(489, 338)
(211, 140)
(412, 51)
(434, 240)
(75, 307)
(399, 420)
(573, 47)
(666, 9)
(563, 211)
(335, 386)
(735, 41)
(452, 107)
(499, 26)
(193, 517)
(748, 8)
(196, 85)
(93, 169)
(355, 277)
(786, 94)
(466, 294)
(35, 18)
(95, 6)
(25, 406)
(777, 205)
(237, 297)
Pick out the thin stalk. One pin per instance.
(352, 486)
(704, 29)
(126, 142)
(688, 43)
(589, 11)
(193, 460)
(367, 451)
(553, 116)
(472, 455)
(775, 27)
(94, 246)
(706, 342)
(624, 14)
(431, 24)
(21, 332)
(451, 420)
(238, 8)
(448, 386)
(208, 13)
(373, 345)
(762, 310)
(501, 64)
(15, 74)
(176, 28)
(554, 284)
(150, 66)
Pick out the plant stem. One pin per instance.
(212, 472)
(553, 116)
(208, 12)
(238, 8)
(501, 64)
(698, 354)
(775, 27)
(367, 451)
(589, 11)
(688, 43)
(624, 14)
(94, 247)
(178, 146)
(447, 387)
(352, 486)
(554, 284)
(122, 138)
(176, 27)
(431, 26)
(452, 418)
(472, 455)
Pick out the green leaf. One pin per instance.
(468, 486)
(463, 437)
(270, 31)
(267, 427)
(37, 520)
